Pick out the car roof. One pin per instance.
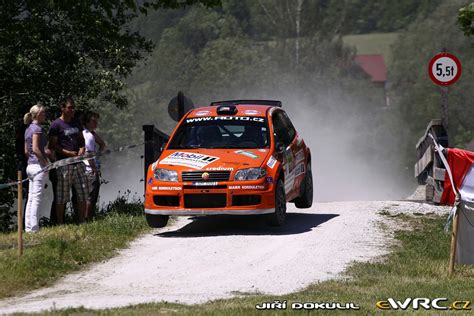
(242, 110)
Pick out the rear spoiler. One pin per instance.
(252, 102)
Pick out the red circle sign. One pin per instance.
(444, 69)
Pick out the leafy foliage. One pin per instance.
(51, 49)
(417, 98)
(466, 19)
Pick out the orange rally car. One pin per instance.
(233, 157)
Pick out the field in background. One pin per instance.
(372, 44)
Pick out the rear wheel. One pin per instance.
(306, 198)
(156, 221)
(278, 217)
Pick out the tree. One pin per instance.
(50, 49)
(466, 19)
(415, 96)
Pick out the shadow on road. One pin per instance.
(296, 223)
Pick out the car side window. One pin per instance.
(289, 127)
(281, 134)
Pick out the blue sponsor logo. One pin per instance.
(150, 181)
(269, 180)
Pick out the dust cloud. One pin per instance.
(354, 156)
(123, 174)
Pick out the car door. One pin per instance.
(298, 158)
(285, 134)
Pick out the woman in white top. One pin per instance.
(92, 166)
(35, 143)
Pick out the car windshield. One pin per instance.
(222, 132)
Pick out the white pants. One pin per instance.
(35, 194)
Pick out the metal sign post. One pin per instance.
(444, 70)
(444, 110)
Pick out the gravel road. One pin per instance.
(195, 260)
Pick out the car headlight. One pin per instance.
(250, 174)
(166, 175)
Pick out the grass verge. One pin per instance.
(416, 267)
(56, 251)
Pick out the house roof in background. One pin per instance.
(374, 66)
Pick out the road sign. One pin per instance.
(174, 106)
(444, 69)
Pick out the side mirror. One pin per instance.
(162, 147)
(280, 147)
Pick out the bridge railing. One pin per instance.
(429, 169)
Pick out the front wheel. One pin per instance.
(306, 198)
(156, 221)
(278, 217)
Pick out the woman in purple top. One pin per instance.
(35, 142)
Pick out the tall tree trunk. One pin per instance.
(299, 5)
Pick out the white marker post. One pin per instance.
(20, 214)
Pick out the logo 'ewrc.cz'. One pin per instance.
(440, 303)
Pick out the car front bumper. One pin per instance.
(196, 212)
(225, 198)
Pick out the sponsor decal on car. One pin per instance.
(271, 162)
(299, 169)
(269, 180)
(299, 157)
(202, 113)
(187, 159)
(246, 187)
(225, 118)
(150, 181)
(246, 153)
(220, 169)
(168, 188)
(201, 183)
(252, 112)
(253, 187)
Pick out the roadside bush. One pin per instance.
(123, 204)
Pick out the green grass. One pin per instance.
(56, 251)
(373, 43)
(416, 267)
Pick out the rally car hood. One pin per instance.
(209, 159)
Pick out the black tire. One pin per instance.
(306, 198)
(278, 217)
(156, 221)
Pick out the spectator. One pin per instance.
(54, 182)
(92, 166)
(66, 139)
(35, 142)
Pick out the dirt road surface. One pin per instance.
(197, 260)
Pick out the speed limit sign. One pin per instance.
(444, 69)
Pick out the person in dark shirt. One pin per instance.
(65, 137)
